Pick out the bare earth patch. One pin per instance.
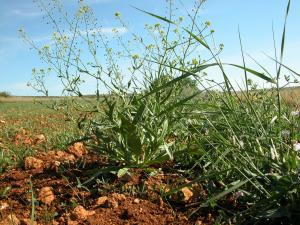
(62, 197)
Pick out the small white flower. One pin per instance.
(295, 113)
(296, 146)
(285, 133)
(238, 194)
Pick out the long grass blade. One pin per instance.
(283, 65)
(244, 62)
(283, 37)
(156, 16)
(258, 74)
(224, 193)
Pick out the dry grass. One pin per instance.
(25, 99)
(291, 96)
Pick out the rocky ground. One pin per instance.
(53, 188)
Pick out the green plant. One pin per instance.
(4, 160)
(33, 203)
(137, 120)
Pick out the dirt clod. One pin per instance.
(112, 203)
(101, 201)
(11, 219)
(119, 197)
(46, 195)
(81, 213)
(33, 163)
(78, 149)
(28, 222)
(136, 201)
(187, 193)
(40, 138)
(3, 206)
(60, 156)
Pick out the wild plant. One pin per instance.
(137, 120)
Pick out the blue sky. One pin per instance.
(253, 17)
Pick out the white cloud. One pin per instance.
(23, 13)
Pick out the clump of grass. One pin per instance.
(5, 160)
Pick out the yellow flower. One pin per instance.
(195, 62)
(207, 23)
(136, 56)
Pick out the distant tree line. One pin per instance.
(4, 94)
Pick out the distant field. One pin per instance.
(26, 99)
(290, 96)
